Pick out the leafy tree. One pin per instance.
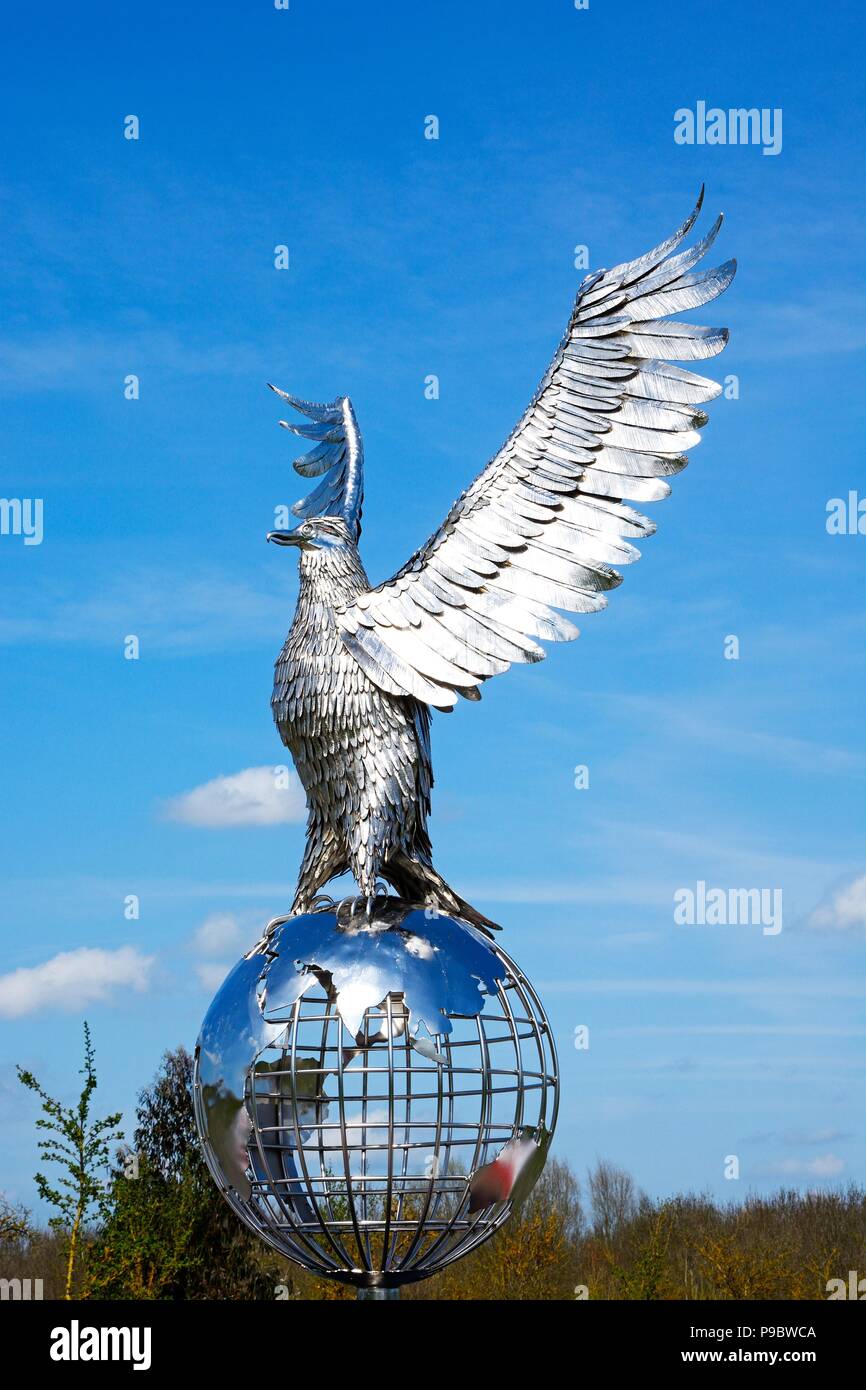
(646, 1275)
(169, 1234)
(81, 1147)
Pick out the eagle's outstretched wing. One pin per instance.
(338, 455)
(544, 525)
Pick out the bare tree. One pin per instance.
(14, 1220)
(613, 1199)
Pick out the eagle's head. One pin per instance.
(318, 533)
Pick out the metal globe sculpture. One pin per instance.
(375, 1093)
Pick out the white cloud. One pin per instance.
(255, 796)
(843, 910)
(72, 980)
(218, 934)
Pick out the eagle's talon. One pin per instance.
(352, 900)
(322, 902)
(380, 890)
(355, 902)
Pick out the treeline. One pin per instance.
(155, 1228)
(624, 1245)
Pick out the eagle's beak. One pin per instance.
(284, 537)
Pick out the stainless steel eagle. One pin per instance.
(542, 528)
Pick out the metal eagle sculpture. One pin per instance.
(542, 528)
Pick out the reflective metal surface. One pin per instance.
(513, 1173)
(542, 528)
(438, 966)
(358, 1083)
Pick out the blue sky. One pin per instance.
(454, 257)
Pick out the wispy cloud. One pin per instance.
(72, 980)
(704, 723)
(733, 1030)
(255, 796)
(798, 1138)
(717, 842)
(608, 890)
(828, 1135)
(167, 611)
(760, 988)
(819, 322)
(69, 359)
(827, 1165)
